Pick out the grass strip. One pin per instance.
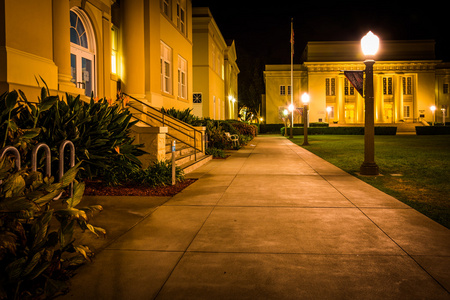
(415, 169)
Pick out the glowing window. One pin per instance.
(114, 49)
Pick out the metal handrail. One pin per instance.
(172, 123)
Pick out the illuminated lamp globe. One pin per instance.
(433, 108)
(305, 98)
(370, 44)
(291, 107)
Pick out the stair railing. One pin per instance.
(178, 130)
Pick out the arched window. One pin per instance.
(82, 52)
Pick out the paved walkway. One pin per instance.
(273, 221)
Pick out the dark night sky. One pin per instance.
(263, 30)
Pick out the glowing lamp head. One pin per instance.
(285, 112)
(328, 109)
(433, 108)
(305, 98)
(291, 107)
(370, 44)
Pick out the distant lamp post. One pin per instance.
(305, 100)
(433, 109)
(285, 114)
(443, 115)
(328, 113)
(369, 46)
(291, 109)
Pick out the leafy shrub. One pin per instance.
(216, 153)
(36, 260)
(216, 135)
(158, 174)
(245, 129)
(183, 115)
(99, 130)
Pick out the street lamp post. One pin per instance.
(285, 114)
(369, 46)
(291, 109)
(443, 115)
(305, 100)
(433, 109)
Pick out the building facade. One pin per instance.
(215, 69)
(408, 80)
(99, 47)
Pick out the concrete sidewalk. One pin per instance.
(272, 221)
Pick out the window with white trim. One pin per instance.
(181, 17)
(82, 52)
(330, 86)
(166, 68)
(166, 8)
(387, 85)
(283, 90)
(406, 111)
(182, 78)
(407, 85)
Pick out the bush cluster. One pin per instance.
(99, 130)
(379, 130)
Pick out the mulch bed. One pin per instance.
(99, 189)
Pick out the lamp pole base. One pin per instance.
(369, 169)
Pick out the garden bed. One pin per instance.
(100, 189)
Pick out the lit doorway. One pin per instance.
(82, 52)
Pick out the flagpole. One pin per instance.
(292, 77)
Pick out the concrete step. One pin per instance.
(407, 128)
(192, 165)
(185, 156)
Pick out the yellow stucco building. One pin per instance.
(97, 47)
(408, 80)
(215, 69)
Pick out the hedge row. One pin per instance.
(381, 130)
(245, 129)
(275, 128)
(432, 130)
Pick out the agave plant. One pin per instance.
(35, 257)
(99, 130)
(183, 115)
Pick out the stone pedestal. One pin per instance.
(154, 140)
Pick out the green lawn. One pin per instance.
(414, 169)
